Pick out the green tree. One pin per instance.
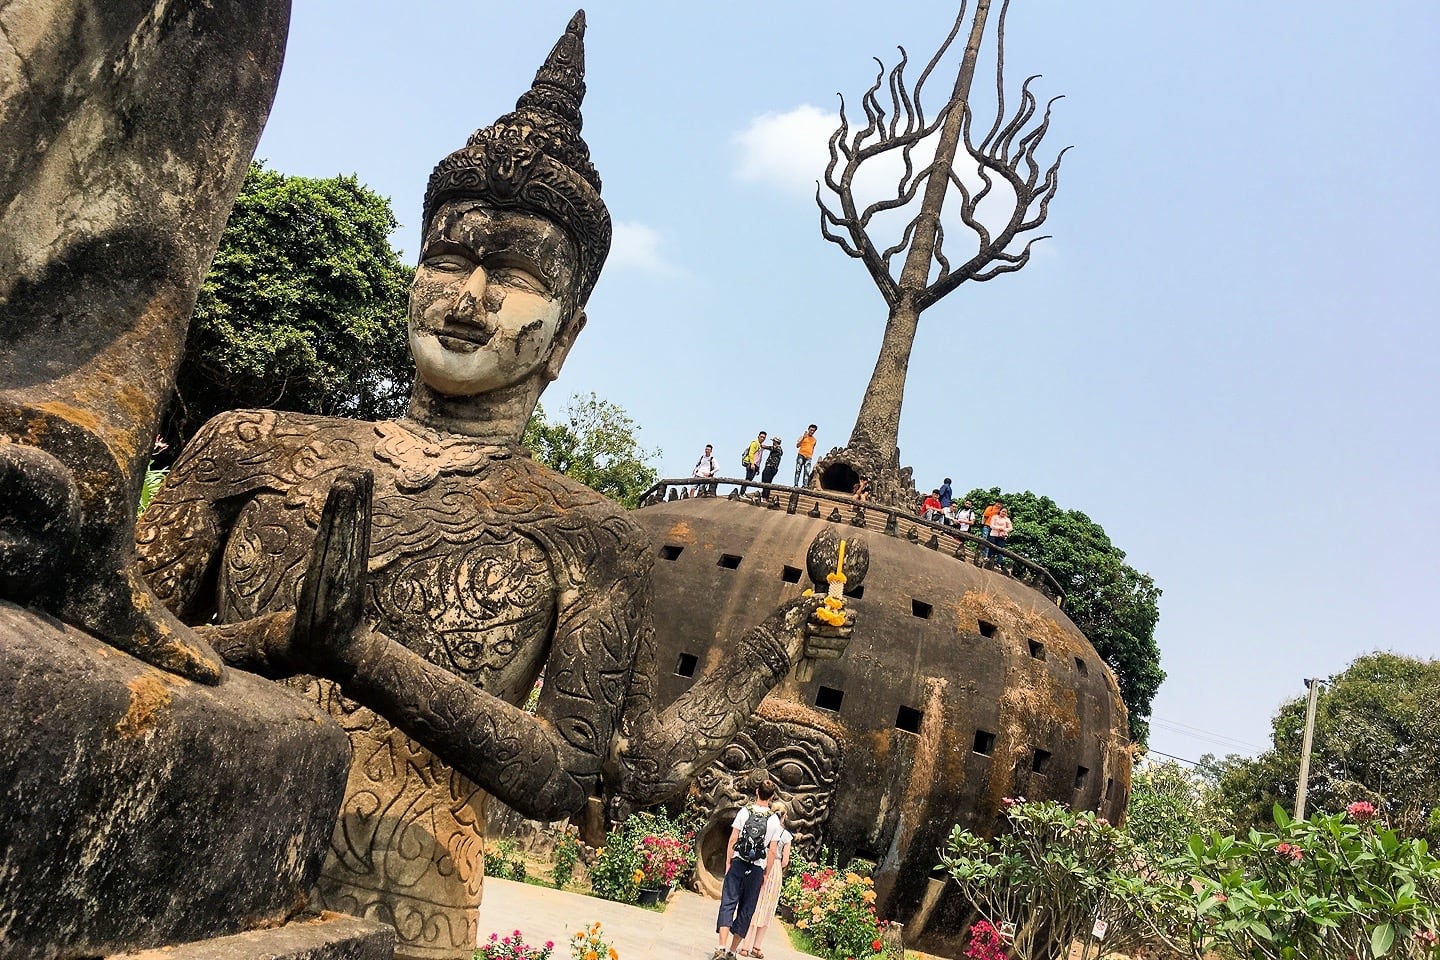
(303, 309)
(1168, 805)
(1377, 740)
(1115, 605)
(595, 443)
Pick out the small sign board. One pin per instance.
(1098, 931)
(1007, 930)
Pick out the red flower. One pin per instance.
(1290, 850)
(1361, 811)
(876, 945)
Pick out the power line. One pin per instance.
(1200, 733)
(1171, 756)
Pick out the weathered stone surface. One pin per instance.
(327, 937)
(408, 847)
(955, 678)
(125, 130)
(138, 808)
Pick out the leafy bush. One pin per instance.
(1056, 873)
(567, 854)
(986, 943)
(512, 947)
(1340, 885)
(665, 859)
(837, 911)
(504, 861)
(643, 851)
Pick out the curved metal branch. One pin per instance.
(930, 67)
(904, 242)
(999, 70)
(874, 113)
(1009, 262)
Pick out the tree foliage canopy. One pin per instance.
(595, 442)
(1115, 605)
(303, 309)
(1377, 740)
(1168, 805)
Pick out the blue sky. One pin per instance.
(1224, 355)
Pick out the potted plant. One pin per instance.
(664, 859)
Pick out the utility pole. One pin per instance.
(1305, 745)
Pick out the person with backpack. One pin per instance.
(750, 459)
(750, 855)
(770, 891)
(705, 468)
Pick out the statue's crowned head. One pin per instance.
(515, 236)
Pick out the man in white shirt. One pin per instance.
(746, 869)
(965, 519)
(705, 467)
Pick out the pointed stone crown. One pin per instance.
(533, 159)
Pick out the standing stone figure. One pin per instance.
(481, 568)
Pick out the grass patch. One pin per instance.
(801, 940)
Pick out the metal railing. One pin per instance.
(842, 508)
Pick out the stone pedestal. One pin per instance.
(139, 809)
(327, 937)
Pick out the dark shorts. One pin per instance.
(739, 895)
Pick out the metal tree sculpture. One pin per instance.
(1007, 153)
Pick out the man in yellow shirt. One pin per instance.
(805, 456)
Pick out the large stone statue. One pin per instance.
(483, 568)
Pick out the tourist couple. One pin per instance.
(756, 858)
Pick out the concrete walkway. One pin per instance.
(685, 931)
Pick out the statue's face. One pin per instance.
(491, 293)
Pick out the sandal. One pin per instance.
(756, 952)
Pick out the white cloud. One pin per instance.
(789, 151)
(637, 246)
(786, 150)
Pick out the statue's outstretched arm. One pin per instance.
(659, 752)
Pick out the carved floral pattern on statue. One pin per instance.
(408, 845)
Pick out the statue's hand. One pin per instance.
(332, 596)
(827, 641)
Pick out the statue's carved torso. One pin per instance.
(470, 544)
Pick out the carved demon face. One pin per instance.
(491, 299)
(804, 763)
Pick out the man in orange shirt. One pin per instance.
(805, 457)
(989, 515)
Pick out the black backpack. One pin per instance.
(750, 846)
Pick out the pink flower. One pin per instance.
(1361, 811)
(1290, 850)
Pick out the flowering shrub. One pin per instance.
(504, 861)
(567, 854)
(664, 859)
(512, 947)
(985, 943)
(837, 911)
(1339, 885)
(1056, 872)
(589, 944)
(648, 849)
